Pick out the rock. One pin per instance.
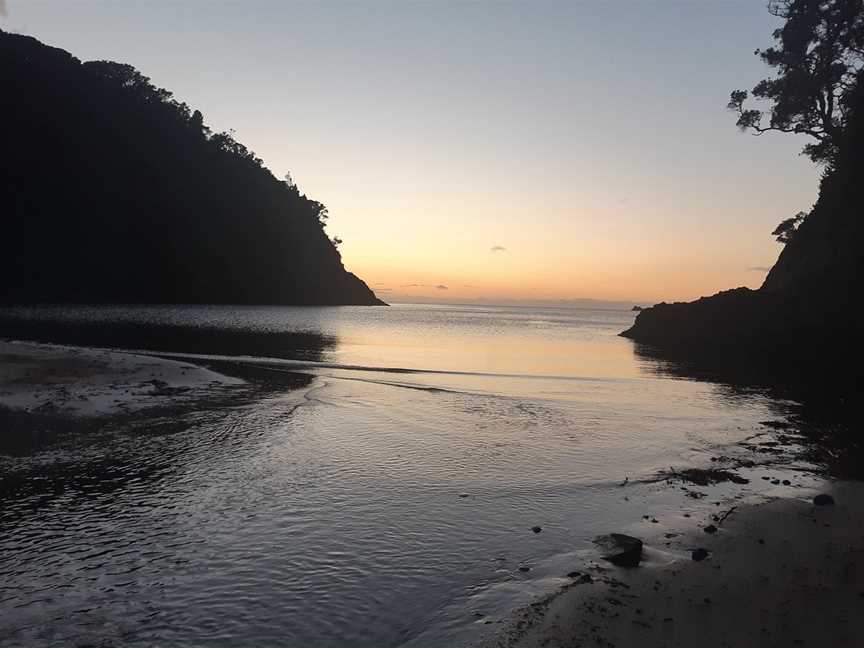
(823, 500)
(536, 529)
(710, 529)
(573, 574)
(585, 579)
(704, 476)
(523, 568)
(699, 554)
(786, 482)
(620, 549)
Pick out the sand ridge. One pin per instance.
(83, 382)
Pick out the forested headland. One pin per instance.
(805, 321)
(114, 191)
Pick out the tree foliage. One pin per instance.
(787, 228)
(818, 56)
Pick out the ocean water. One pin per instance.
(389, 502)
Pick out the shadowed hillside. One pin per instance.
(805, 321)
(115, 192)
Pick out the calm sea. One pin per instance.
(388, 503)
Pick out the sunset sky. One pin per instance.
(486, 150)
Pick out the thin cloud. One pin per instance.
(497, 248)
(759, 269)
(419, 285)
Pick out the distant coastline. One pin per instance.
(576, 304)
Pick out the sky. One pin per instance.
(486, 150)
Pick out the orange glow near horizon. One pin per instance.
(615, 254)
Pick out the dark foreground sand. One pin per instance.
(780, 572)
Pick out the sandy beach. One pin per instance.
(779, 572)
(79, 382)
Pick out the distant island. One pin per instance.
(116, 192)
(637, 309)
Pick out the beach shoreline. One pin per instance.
(779, 571)
(798, 587)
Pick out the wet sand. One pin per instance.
(780, 572)
(81, 383)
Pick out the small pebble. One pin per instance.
(536, 529)
(710, 529)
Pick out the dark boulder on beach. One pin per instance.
(700, 554)
(620, 549)
(823, 500)
(710, 529)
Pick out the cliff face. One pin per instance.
(808, 312)
(824, 261)
(115, 192)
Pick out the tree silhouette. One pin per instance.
(818, 57)
(787, 228)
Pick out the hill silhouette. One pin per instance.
(115, 192)
(805, 321)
